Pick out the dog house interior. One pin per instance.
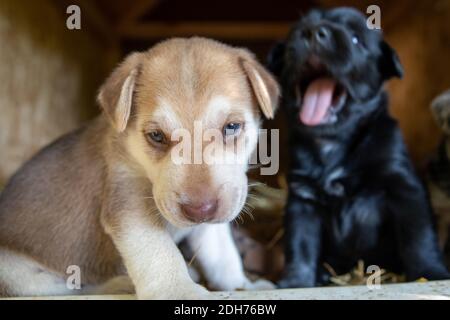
(51, 71)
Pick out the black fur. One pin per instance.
(353, 192)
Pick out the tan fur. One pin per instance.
(106, 200)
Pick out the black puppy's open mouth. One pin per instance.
(319, 94)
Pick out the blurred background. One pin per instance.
(49, 75)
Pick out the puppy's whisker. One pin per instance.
(239, 219)
(157, 215)
(251, 206)
(257, 183)
(194, 255)
(252, 217)
(248, 210)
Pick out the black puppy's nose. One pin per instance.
(322, 34)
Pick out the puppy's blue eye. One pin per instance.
(232, 129)
(355, 40)
(156, 137)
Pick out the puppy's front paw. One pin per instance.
(186, 292)
(259, 285)
(117, 285)
(195, 292)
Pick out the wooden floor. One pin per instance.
(439, 290)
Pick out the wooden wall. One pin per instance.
(48, 78)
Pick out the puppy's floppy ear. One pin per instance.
(275, 59)
(390, 62)
(264, 85)
(116, 94)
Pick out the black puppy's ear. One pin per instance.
(275, 60)
(390, 62)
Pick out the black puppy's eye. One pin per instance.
(156, 137)
(232, 129)
(355, 39)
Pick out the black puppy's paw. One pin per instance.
(432, 274)
(435, 275)
(323, 277)
(296, 281)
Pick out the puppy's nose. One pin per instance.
(200, 212)
(322, 34)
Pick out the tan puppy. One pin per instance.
(110, 199)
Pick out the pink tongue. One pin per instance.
(317, 101)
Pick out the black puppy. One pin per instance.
(353, 193)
